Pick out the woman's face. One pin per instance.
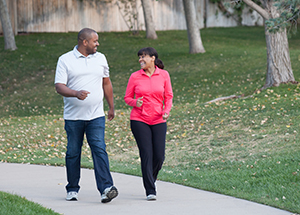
(146, 61)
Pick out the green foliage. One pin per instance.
(246, 147)
(215, 1)
(128, 10)
(289, 12)
(237, 8)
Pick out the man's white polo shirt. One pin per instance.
(82, 73)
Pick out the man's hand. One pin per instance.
(82, 94)
(110, 114)
(65, 91)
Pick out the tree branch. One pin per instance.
(223, 98)
(227, 13)
(257, 8)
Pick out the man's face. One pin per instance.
(92, 44)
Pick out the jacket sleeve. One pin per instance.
(129, 94)
(168, 94)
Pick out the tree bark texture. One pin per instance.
(193, 30)
(279, 68)
(9, 38)
(149, 22)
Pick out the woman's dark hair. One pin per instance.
(151, 52)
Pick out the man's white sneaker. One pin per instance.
(72, 196)
(151, 197)
(109, 194)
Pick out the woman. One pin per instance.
(149, 92)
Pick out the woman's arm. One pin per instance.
(129, 94)
(168, 95)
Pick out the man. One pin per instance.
(82, 78)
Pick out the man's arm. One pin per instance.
(108, 94)
(65, 91)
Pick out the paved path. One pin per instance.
(46, 186)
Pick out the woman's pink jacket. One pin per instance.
(156, 92)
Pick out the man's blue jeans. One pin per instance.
(94, 131)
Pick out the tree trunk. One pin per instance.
(193, 30)
(279, 68)
(9, 38)
(149, 22)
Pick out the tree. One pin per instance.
(9, 38)
(193, 30)
(149, 22)
(279, 68)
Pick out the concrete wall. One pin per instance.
(113, 15)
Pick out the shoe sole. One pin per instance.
(113, 193)
(72, 199)
(152, 198)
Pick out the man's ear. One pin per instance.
(85, 42)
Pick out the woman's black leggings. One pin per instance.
(151, 141)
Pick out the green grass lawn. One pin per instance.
(17, 205)
(246, 147)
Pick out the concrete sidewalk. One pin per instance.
(46, 186)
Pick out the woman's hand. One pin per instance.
(165, 116)
(139, 102)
